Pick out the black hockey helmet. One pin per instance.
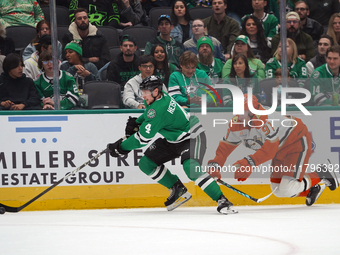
(151, 82)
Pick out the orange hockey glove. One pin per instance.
(244, 168)
(214, 169)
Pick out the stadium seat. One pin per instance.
(114, 51)
(62, 14)
(103, 94)
(142, 35)
(155, 13)
(111, 35)
(103, 71)
(21, 35)
(61, 31)
(200, 12)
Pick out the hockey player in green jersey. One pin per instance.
(184, 137)
(325, 80)
(296, 66)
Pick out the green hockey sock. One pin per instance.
(160, 174)
(193, 170)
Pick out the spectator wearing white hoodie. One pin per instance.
(132, 95)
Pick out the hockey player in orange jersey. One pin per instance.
(288, 147)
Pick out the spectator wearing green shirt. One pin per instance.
(241, 77)
(212, 66)
(242, 46)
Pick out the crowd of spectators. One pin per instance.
(239, 44)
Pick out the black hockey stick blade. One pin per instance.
(18, 209)
(259, 200)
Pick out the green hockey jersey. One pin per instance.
(69, 96)
(166, 117)
(181, 86)
(214, 70)
(297, 70)
(324, 86)
(270, 24)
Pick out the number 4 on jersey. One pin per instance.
(148, 128)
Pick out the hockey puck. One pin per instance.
(2, 210)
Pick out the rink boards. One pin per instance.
(39, 148)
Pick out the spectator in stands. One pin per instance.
(222, 27)
(334, 28)
(270, 22)
(308, 25)
(325, 42)
(17, 92)
(259, 44)
(32, 69)
(325, 80)
(321, 10)
(163, 68)
(296, 66)
(242, 46)
(82, 71)
(69, 96)
(125, 66)
(303, 41)
(20, 13)
(207, 63)
(6, 44)
(92, 41)
(173, 48)
(240, 76)
(100, 13)
(186, 86)
(43, 28)
(199, 30)
(181, 21)
(131, 12)
(132, 96)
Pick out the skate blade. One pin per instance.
(320, 192)
(227, 211)
(181, 200)
(322, 188)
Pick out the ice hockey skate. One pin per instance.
(314, 193)
(179, 195)
(225, 206)
(328, 177)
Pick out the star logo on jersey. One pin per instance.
(151, 114)
(316, 74)
(192, 89)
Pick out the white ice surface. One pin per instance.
(293, 229)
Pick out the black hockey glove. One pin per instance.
(115, 149)
(131, 126)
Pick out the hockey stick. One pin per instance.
(5, 208)
(259, 200)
